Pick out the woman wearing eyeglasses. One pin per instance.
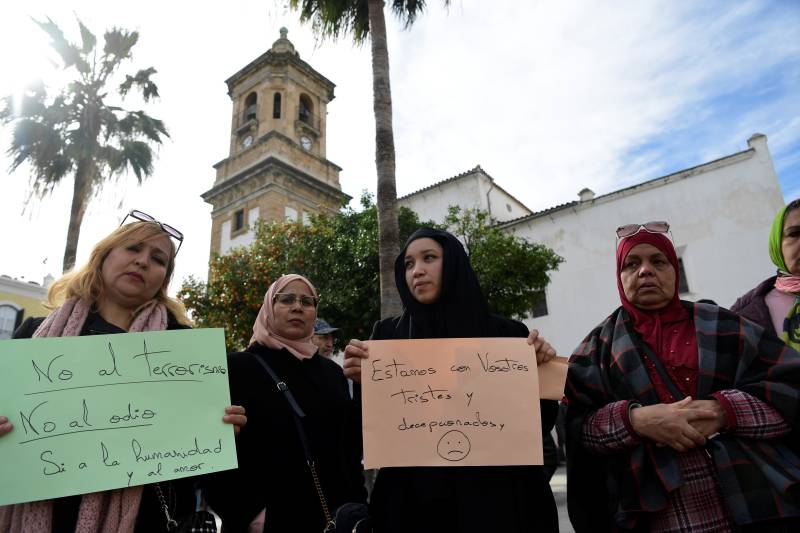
(442, 299)
(122, 288)
(274, 488)
(679, 413)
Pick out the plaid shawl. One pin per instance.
(759, 479)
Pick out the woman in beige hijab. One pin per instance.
(271, 455)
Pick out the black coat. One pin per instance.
(507, 499)
(272, 472)
(180, 492)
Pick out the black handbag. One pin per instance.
(350, 517)
(200, 521)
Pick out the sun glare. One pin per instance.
(27, 56)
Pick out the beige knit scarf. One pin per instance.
(110, 511)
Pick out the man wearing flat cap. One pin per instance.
(323, 337)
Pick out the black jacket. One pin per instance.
(180, 492)
(273, 473)
(508, 499)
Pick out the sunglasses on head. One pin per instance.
(628, 230)
(166, 228)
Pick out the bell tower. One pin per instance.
(277, 166)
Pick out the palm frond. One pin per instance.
(119, 42)
(42, 146)
(333, 19)
(408, 10)
(88, 38)
(70, 54)
(112, 158)
(140, 124)
(142, 81)
(107, 115)
(138, 157)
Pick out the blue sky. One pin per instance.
(759, 94)
(548, 97)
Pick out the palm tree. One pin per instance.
(364, 18)
(76, 133)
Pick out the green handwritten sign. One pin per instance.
(108, 411)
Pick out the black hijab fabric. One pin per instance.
(461, 311)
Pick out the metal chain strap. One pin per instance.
(171, 523)
(322, 500)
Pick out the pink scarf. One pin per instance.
(788, 284)
(263, 331)
(109, 511)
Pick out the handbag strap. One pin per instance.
(298, 415)
(662, 371)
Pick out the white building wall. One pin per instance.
(432, 204)
(720, 216)
(473, 191)
(504, 207)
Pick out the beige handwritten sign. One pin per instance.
(451, 402)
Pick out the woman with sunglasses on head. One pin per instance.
(122, 288)
(679, 413)
(442, 299)
(274, 489)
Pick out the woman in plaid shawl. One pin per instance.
(689, 405)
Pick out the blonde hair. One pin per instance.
(87, 281)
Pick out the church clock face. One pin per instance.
(306, 143)
(247, 141)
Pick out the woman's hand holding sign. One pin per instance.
(544, 352)
(355, 351)
(5, 426)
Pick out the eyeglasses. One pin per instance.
(169, 230)
(289, 298)
(629, 230)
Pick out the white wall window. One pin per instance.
(540, 307)
(306, 218)
(290, 213)
(8, 320)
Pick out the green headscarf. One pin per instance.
(791, 324)
(775, 237)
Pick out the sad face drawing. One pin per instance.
(453, 446)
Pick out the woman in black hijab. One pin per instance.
(442, 299)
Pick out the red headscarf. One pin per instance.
(648, 323)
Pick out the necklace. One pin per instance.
(171, 523)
